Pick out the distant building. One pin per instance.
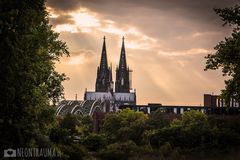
(104, 91)
(104, 98)
(217, 101)
(213, 104)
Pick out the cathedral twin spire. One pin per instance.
(123, 62)
(104, 81)
(104, 73)
(122, 73)
(104, 63)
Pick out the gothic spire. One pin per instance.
(103, 62)
(122, 73)
(104, 75)
(123, 62)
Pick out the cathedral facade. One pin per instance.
(107, 97)
(106, 91)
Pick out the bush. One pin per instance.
(227, 138)
(94, 142)
(60, 135)
(123, 150)
(157, 120)
(112, 154)
(168, 134)
(166, 149)
(125, 125)
(73, 152)
(176, 156)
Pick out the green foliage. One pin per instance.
(225, 122)
(127, 147)
(112, 155)
(156, 120)
(74, 138)
(194, 118)
(194, 131)
(126, 125)
(227, 55)
(121, 150)
(167, 134)
(226, 131)
(29, 82)
(175, 155)
(176, 122)
(166, 149)
(71, 128)
(230, 15)
(94, 142)
(60, 136)
(70, 122)
(191, 131)
(226, 138)
(195, 128)
(86, 124)
(73, 152)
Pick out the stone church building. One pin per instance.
(108, 96)
(113, 94)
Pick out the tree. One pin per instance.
(29, 82)
(70, 122)
(86, 124)
(94, 142)
(126, 125)
(119, 151)
(227, 55)
(195, 128)
(157, 120)
(189, 132)
(194, 118)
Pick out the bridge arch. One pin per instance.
(87, 107)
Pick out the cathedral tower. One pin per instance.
(104, 73)
(122, 84)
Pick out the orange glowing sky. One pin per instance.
(166, 42)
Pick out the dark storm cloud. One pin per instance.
(191, 8)
(63, 5)
(157, 18)
(63, 19)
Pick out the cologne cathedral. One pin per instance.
(107, 96)
(104, 87)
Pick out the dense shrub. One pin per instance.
(73, 152)
(94, 142)
(124, 126)
(112, 154)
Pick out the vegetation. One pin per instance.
(133, 135)
(227, 55)
(30, 88)
(127, 125)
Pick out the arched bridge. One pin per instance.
(86, 107)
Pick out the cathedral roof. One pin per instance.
(102, 96)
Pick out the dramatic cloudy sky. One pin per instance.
(166, 41)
